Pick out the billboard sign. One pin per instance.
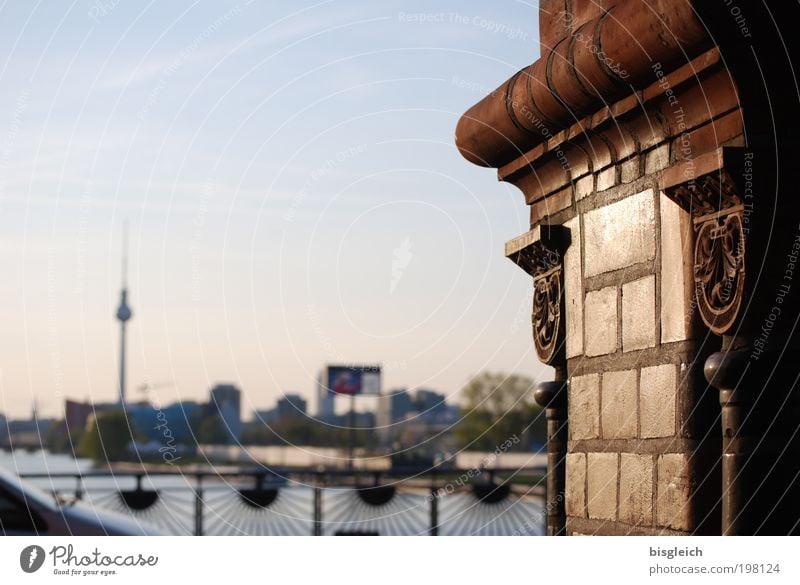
(354, 380)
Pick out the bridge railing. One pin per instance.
(315, 501)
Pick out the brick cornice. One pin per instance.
(602, 61)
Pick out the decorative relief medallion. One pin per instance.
(540, 254)
(719, 270)
(547, 295)
(719, 253)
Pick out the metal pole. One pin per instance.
(352, 423)
(317, 510)
(434, 528)
(198, 507)
(79, 487)
(724, 371)
(553, 397)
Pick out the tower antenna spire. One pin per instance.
(125, 254)
(124, 314)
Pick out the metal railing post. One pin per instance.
(198, 507)
(434, 527)
(78, 487)
(317, 510)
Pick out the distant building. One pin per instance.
(38, 426)
(28, 433)
(325, 401)
(3, 429)
(426, 408)
(393, 407)
(291, 405)
(76, 414)
(401, 405)
(226, 402)
(430, 405)
(383, 416)
(360, 420)
(268, 416)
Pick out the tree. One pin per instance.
(107, 438)
(212, 431)
(60, 440)
(303, 430)
(497, 408)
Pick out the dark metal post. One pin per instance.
(553, 397)
(434, 528)
(198, 507)
(724, 371)
(352, 441)
(317, 510)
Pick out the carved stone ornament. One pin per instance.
(547, 300)
(719, 253)
(539, 252)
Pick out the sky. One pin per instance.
(293, 193)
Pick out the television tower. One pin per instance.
(124, 314)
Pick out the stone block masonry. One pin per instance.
(636, 489)
(602, 485)
(619, 405)
(584, 407)
(576, 485)
(639, 314)
(620, 234)
(658, 401)
(601, 321)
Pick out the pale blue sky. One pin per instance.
(292, 187)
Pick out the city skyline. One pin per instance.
(292, 188)
(149, 396)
